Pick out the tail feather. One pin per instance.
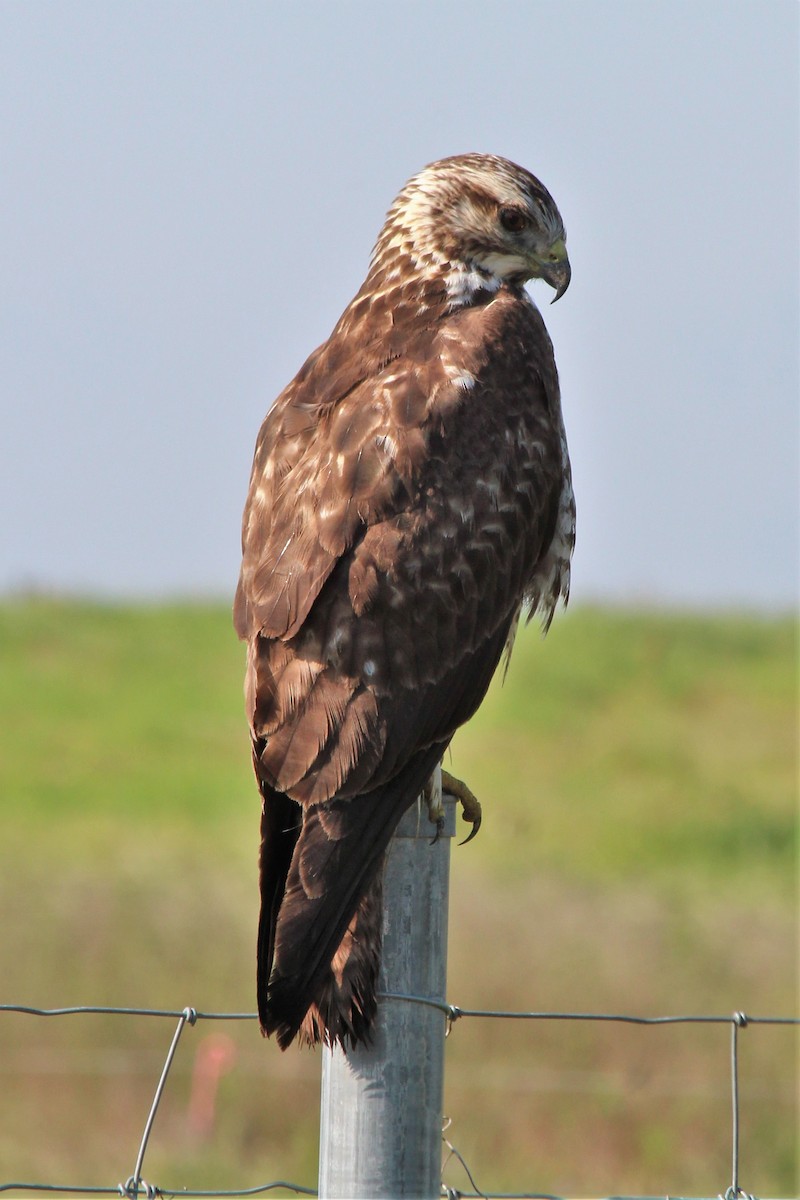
(320, 929)
(345, 1003)
(280, 829)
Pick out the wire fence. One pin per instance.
(136, 1184)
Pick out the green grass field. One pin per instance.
(638, 773)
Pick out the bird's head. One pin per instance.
(479, 214)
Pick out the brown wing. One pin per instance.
(388, 542)
(321, 470)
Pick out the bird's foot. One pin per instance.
(468, 801)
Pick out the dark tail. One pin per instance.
(319, 934)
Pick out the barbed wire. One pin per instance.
(136, 1185)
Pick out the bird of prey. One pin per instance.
(410, 494)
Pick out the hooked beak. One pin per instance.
(556, 269)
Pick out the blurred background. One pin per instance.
(190, 193)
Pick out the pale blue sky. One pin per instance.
(189, 193)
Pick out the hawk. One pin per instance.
(410, 493)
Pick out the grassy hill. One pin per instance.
(638, 773)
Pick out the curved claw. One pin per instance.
(475, 827)
(439, 828)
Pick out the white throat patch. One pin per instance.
(462, 281)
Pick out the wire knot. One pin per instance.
(191, 1015)
(453, 1013)
(741, 1020)
(135, 1187)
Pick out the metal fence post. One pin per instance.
(381, 1118)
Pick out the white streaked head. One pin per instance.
(481, 220)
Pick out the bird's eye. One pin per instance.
(513, 219)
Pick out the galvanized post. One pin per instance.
(381, 1121)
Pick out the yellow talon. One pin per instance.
(468, 801)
